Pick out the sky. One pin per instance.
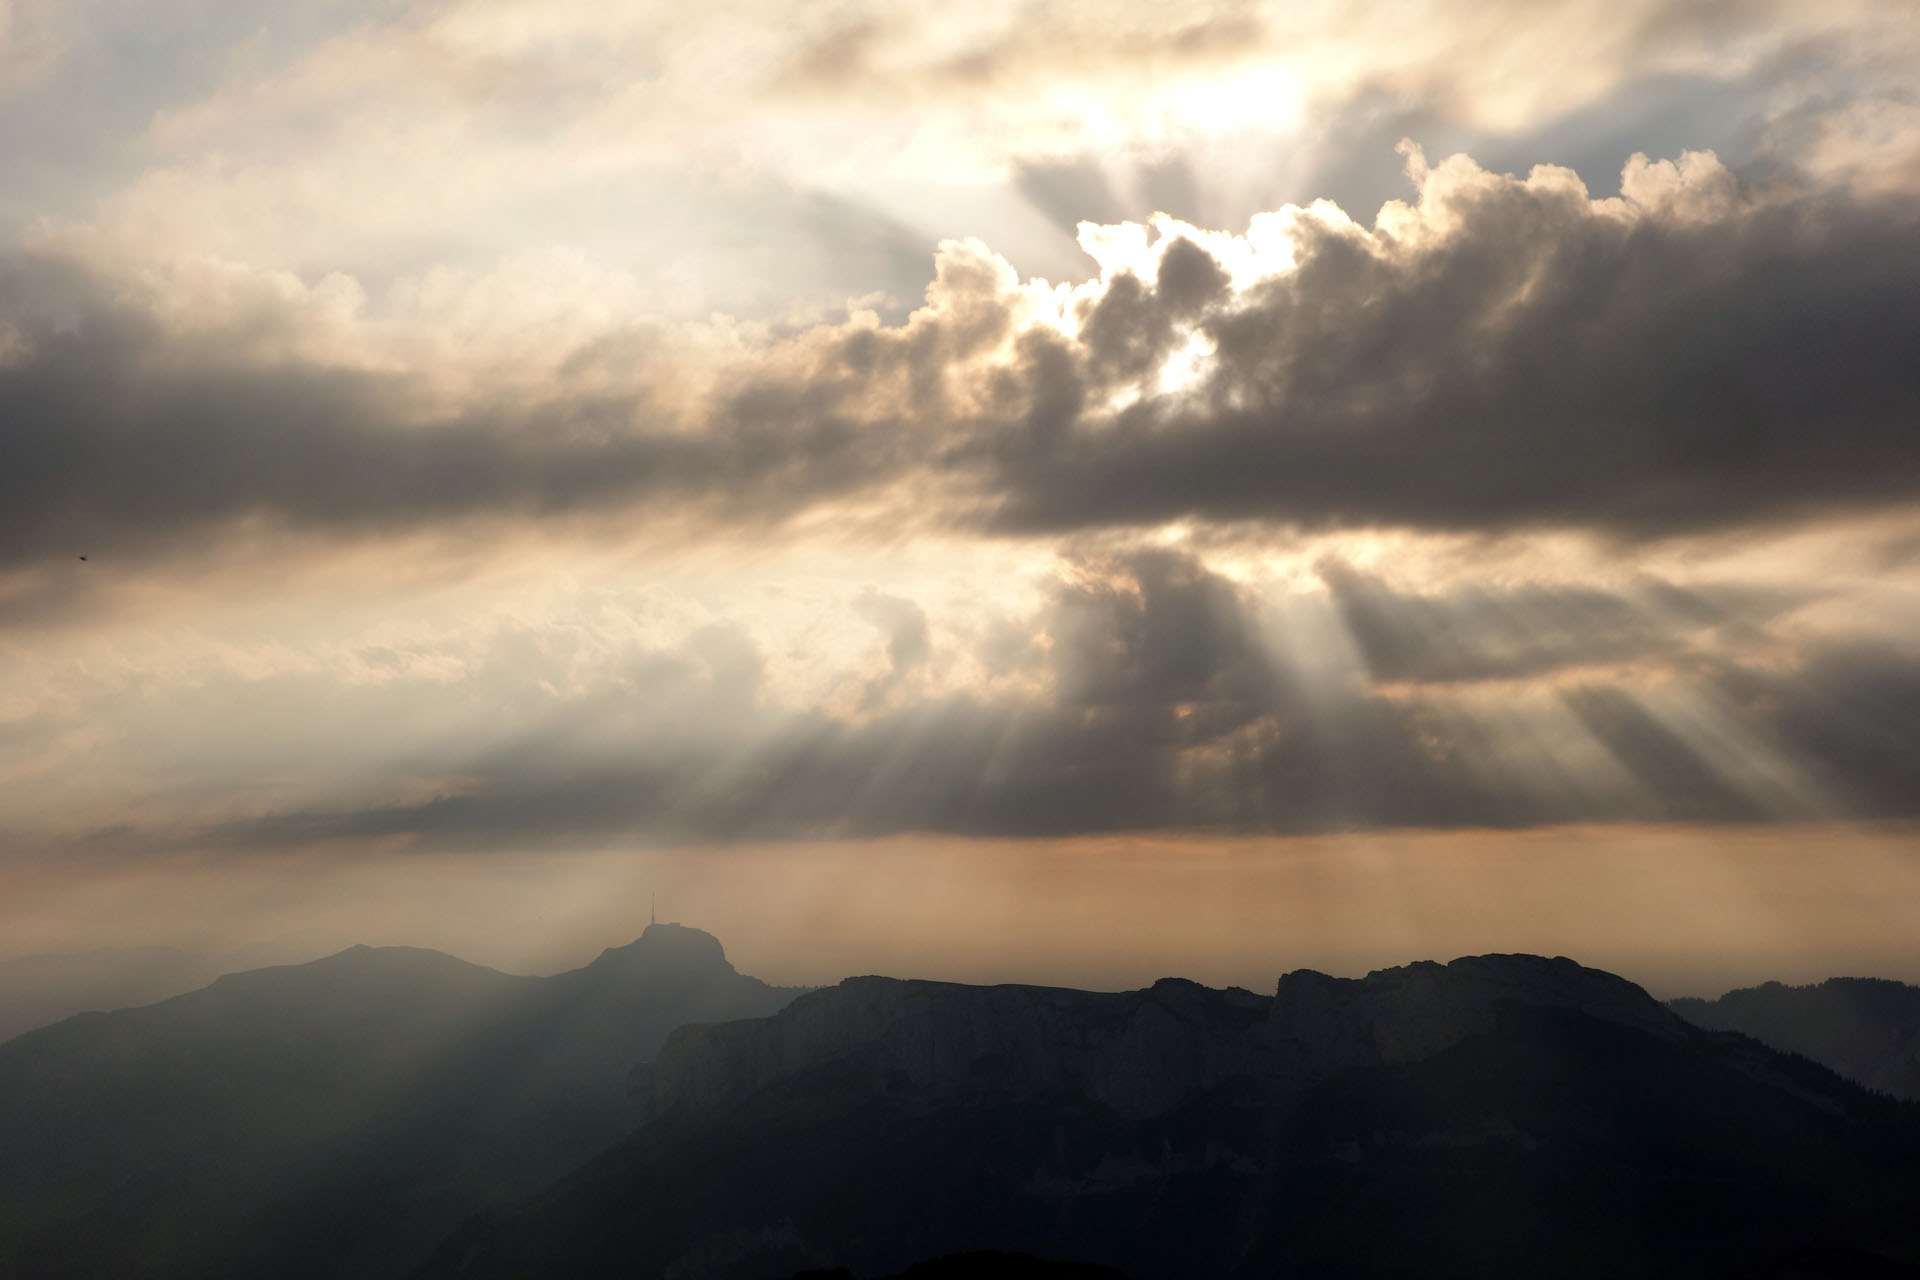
(1043, 491)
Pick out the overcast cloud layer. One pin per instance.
(479, 425)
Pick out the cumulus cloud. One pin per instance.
(496, 427)
(1508, 351)
(1502, 352)
(1499, 353)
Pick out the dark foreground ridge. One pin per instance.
(332, 1119)
(1499, 1116)
(985, 1265)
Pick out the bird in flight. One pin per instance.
(83, 557)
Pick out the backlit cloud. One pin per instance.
(506, 427)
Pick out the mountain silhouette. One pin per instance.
(988, 1264)
(1867, 1029)
(330, 1119)
(42, 989)
(1499, 1116)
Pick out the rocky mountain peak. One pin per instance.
(667, 948)
(1323, 1023)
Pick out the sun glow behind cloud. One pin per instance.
(512, 427)
(1528, 694)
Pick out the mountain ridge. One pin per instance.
(1867, 1029)
(42, 989)
(314, 1097)
(1498, 1116)
(1314, 1023)
(328, 1118)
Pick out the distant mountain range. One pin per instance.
(329, 1119)
(656, 1114)
(1867, 1029)
(36, 991)
(984, 1264)
(1500, 1116)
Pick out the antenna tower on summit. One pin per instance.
(653, 908)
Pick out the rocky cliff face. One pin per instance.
(1139, 1052)
(926, 1042)
(1502, 1117)
(1321, 1024)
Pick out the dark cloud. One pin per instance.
(123, 440)
(1155, 629)
(1530, 364)
(1504, 356)
(1151, 658)
(1484, 633)
(1167, 705)
(1677, 781)
(1851, 711)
